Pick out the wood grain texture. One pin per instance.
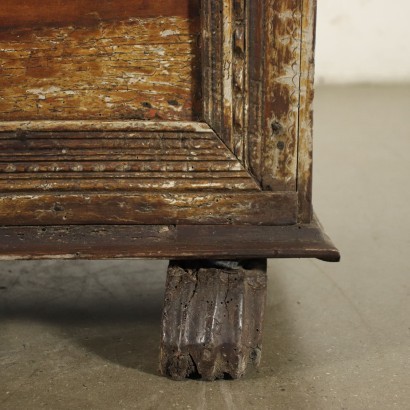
(17, 13)
(257, 86)
(118, 162)
(20, 127)
(212, 319)
(166, 242)
(200, 207)
(305, 147)
(275, 53)
(212, 44)
(138, 68)
(224, 66)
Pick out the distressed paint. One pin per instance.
(139, 68)
(275, 31)
(251, 64)
(148, 208)
(104, 125)
(118, 161)
(305, 148)
(224, 65)
(93, 179)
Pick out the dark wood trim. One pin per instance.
(166, 242)
(212, 322)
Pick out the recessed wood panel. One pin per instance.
(99, 60)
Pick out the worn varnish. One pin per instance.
(149, 207)
(248, 78)
(305, 146)
(112, 62)
(118, 161)
(166, 242)
(173, 129)
(275, 54)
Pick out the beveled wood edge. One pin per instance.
(166, 242)
(105, 125)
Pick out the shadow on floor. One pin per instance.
(111, 309)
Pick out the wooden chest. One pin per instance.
(175, 129)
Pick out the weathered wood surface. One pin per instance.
(212, 319)
(109, 62)
(275, 54)
(257, 79)
(86, 162)
(224, 66)
(252, 65)
(102, 125)
(305, 148)
(166, 242)
(198, 207)
(17, 13)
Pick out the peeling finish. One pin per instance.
(104, 125)
(274, 85)
(197, 208)
(305, 147)
(119, 162)
(254, 136)
(127, 69)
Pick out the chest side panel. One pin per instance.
(94, 60)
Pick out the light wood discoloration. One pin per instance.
(224, 67)
(141, 69)
(305, 147)
(118, 162)
(275, 41)
(90, 125)
(197, 208)
(256, 133)
(177, 129)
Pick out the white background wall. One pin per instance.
(363, 41)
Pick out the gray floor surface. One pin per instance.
(76, 335)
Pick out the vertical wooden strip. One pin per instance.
(306, 112)
(281, 94)
(206, 56)
(239, 62)
(227, 71)
(220, 36)
(255, 34)
(217, 90)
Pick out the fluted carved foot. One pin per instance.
(212, 319)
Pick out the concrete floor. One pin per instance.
(77, 335)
